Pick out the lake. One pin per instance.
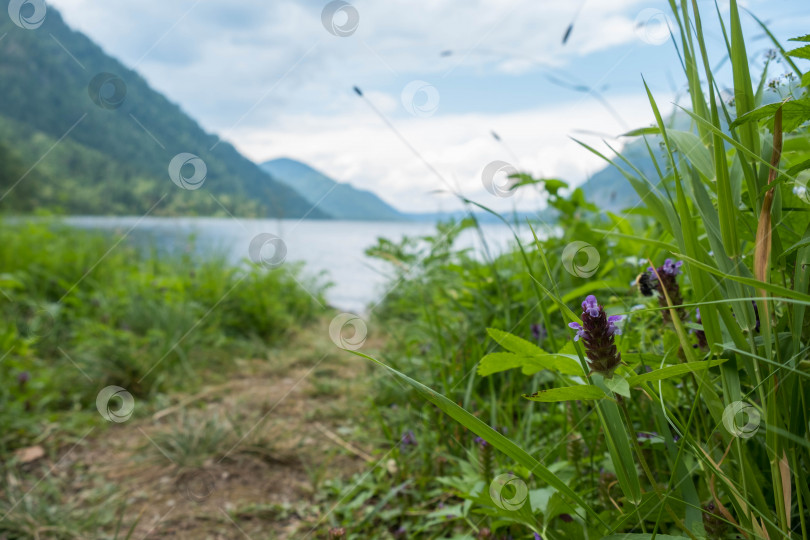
(335, 249)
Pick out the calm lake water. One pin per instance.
(334, 249)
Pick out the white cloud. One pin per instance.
(219, 59)
(357, 146)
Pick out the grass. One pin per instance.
(79, 316)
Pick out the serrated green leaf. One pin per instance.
(794, 113)
(801, 38)
(567, 393)
(806, 79)
(515, 344)
(566, 364)
(619, 385)
(801, 52)
(500, 361)
(673, 371)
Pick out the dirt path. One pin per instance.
(240, 460)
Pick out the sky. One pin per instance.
(275, 78)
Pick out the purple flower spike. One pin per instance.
(664, 278)
(597, 332)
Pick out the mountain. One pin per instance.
(610, 190)
(339, 200)
(92, 137)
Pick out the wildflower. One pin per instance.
(665, 280)
(407, 440)
(713, 520)
(597, 332)
(22, 378)
(538, 332)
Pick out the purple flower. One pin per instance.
(591, 306)
(580, 331)
(672, 268)
(481, 442)
(407, 440)
(700, 334)
(597, 332)
(666, 280)
(538, 332)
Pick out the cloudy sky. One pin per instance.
(275, 78)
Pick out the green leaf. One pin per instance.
(801, 38)
(500, 361)
(794, 113)
(650, 130)
(567, 364)
(567, 393)
(801, 52)
(673, 371)
(618, 385)
(514, 344)
(806, 79)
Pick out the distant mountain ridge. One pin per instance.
(339, 200)
(96, 139)
(610, 190)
